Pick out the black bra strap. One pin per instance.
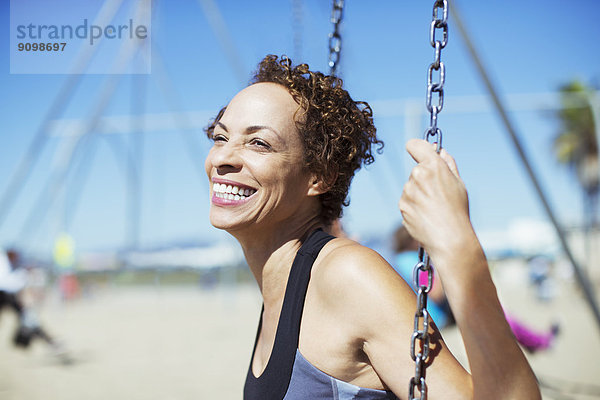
(274, 381)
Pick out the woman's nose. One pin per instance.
(226, 158)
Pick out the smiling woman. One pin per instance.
(337, 133)
(337, 318)
(257, 150)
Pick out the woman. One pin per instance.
(337, 319)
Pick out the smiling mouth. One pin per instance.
(232, 192)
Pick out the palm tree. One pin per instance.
(576, 145)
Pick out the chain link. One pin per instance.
(436, 76)
(335, 38)
(297, 16)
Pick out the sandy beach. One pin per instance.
(180, 343)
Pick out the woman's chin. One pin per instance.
(224, 223)
(221, 224)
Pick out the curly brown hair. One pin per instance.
(337, 132)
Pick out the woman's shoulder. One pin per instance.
(342, 255)
(348, 270)
(351, 259)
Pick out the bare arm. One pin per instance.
(374, 307)
(434, 206)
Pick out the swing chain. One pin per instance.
(438, 22)
(421, 325)
(420, 340)
(335, 38)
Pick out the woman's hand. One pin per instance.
(434, 202)
(435, 208)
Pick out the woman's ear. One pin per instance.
(321, 184)
(317, 187)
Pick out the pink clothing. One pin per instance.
(530, 340)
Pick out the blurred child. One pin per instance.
(13, 278)
(439, 309)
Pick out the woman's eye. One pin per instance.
(261, 143)
(217, 137)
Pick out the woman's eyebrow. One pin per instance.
(252, 129)
(256, 128)
(222, 125)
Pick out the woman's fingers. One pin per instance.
(420, 150)
(434, 202)
(450, 162)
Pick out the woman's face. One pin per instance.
(255, 165)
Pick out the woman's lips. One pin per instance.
(230, 193)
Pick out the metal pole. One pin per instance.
(219, 27)
(58, 176)
(182, 122)
(579, 273)
(134, 146)
(106, 14)
(134, 161)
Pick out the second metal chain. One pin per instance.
(420, 340)
(335, 38)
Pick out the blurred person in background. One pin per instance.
(406, 247)
(540, 276)
(12, 281)
(13, 287)
(337, 319)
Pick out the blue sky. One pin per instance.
(528, 48)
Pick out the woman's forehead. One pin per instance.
(262, 103)
(265, 95)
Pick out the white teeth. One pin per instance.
(231, 192)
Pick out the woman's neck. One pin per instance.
(270, 252)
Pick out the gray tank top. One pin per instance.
(288, 375)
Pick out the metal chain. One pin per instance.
(335, 38)
(297, 14)
(420, 340)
